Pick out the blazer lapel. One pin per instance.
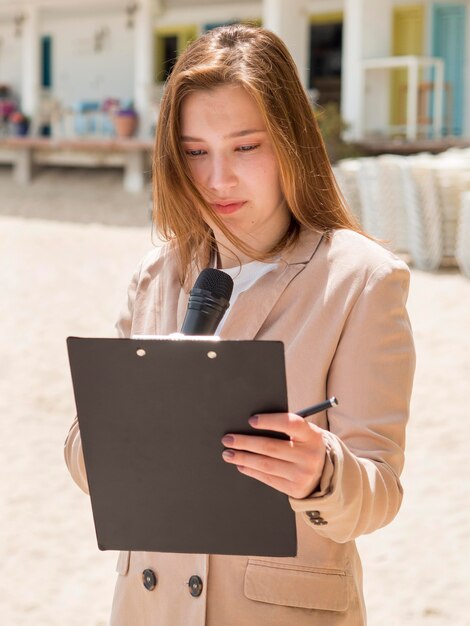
(253, 306)
(182, 308)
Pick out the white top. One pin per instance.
(243, 278)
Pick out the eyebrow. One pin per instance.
(238, 133)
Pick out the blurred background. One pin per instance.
(80, 86)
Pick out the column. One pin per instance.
(30, 68)
(412, 101)
(135, 165)
(438, 120)
(289, 20)
(143, 64)
(367, 33)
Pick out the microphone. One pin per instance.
(208, 301)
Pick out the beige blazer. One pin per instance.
(338, 304)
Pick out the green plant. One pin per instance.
(332, 126)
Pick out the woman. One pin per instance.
(243, 183)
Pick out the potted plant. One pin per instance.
(126, 121)
(19, 123)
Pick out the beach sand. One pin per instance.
(68, 247)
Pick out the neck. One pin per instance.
(227, 258)
(228, 255)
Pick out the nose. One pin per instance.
(222, 175)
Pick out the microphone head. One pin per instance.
(208, 301)
(217, 282)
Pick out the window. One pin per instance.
(46, 62)
(326, 44)
(169, 43)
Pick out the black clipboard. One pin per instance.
(151, 414)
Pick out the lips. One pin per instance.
(227, 207)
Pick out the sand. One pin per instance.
(68, 246)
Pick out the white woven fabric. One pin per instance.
(392, 201)
(423, 214)
(368, 185)
(411, 203)
(462, 252)
(346, 173)
(382, 200)
(452, 182)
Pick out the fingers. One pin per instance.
(290, 423)
(281, 484)
(294, 479)
(267, 446)
(260, 463)
(304, 438)
(293, 467)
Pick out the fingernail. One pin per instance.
(227, 440)
(228, 454)
(253, 420)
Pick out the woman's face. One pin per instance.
(232, 161)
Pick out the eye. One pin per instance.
(248, 147)
(195, 153)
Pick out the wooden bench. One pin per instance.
(24, 153)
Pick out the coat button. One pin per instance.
(195, 586)
(316, 518)
(149, 579)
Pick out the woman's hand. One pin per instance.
(293, 467)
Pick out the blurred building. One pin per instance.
(394, 67)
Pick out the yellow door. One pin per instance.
(408, 39)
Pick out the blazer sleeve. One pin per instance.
(73, 451)
(371, 374)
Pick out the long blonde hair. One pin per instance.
(259, 61)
